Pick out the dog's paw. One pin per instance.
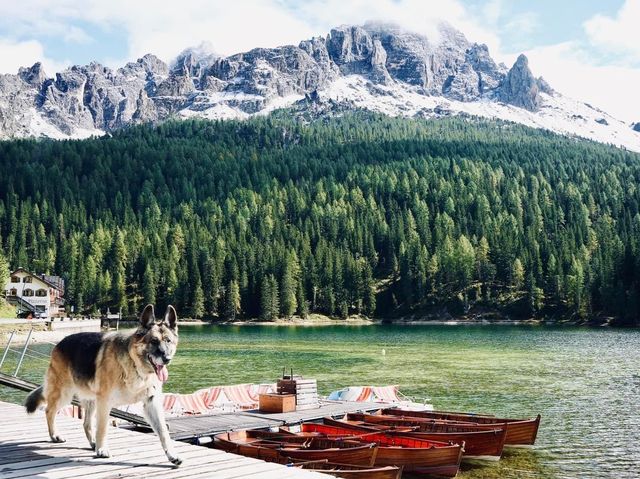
(102, 452)
(58, 439)
(175, 460)
(92, 445)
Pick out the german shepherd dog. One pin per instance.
(109, 370)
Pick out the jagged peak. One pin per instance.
(520, 88)
(203, 54)
(33, 75)
(522, 61)
(380, 66)
(545, 87)
(449, 33)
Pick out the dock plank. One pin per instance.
(191, 427)
(25, 451)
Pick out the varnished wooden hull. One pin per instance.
(415, 455)
(354, 472)
(479, 444)
(520, 432)
(359, 454)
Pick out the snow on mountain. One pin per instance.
(377, 67)
(556, 113)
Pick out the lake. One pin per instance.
(585, 382)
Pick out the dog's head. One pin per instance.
(155, 341)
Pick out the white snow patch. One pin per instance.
(220, 111)
(281, 102)
(82, 133)
(39, 127)
(222, 105)
(559, 114)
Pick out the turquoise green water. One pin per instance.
(584, 382)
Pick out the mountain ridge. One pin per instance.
(376, 66)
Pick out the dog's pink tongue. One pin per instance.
(162, 372)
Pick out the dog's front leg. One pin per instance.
(102, 409)
(154, 411)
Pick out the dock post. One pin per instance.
(6, 350)
(24, 351)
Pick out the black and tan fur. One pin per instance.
(110, 370)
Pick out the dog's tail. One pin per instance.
(34, 400)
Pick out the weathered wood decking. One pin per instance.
(191, 427)
(25, 451)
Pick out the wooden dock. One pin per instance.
(25, 452)
(193, 427)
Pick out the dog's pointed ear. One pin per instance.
(171, 317)
(148, 317)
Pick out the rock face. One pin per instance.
(91, 99)
(520, 87)
(375, 66)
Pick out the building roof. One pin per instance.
(55, 282)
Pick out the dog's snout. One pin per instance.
(166, 359)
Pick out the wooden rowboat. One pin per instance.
(417, 456)
(347, 471)
(273, 447)
(478, 444)
(520, 432)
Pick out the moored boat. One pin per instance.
(520, 432)
(348, 471)
(479, 444)
(417, 456)
(274, 447)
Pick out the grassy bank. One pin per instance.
(6, 310)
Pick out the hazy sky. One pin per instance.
(587, 49)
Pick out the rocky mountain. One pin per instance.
(376, 66)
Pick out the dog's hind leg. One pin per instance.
(89, 413)
(56, 398)
(102, 409)
(154, 412)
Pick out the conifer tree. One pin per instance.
(197, 307)
(4, 269)
(289, 302)
(148, 286)
(517, 274)
(231, 301)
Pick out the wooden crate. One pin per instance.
(276, 403)
(305, 390)
(286, 386)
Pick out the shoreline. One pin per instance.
(413, 322)
(42, 335)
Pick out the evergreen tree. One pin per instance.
(231, 301)
(517, 274)
(148, 286)
(270, 299)
(197, 307)
(4, 269)
(289, 302)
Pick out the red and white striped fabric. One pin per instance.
(386, 393)
(203, 401)
(241, 396)
(210, 396)
(365, 395)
